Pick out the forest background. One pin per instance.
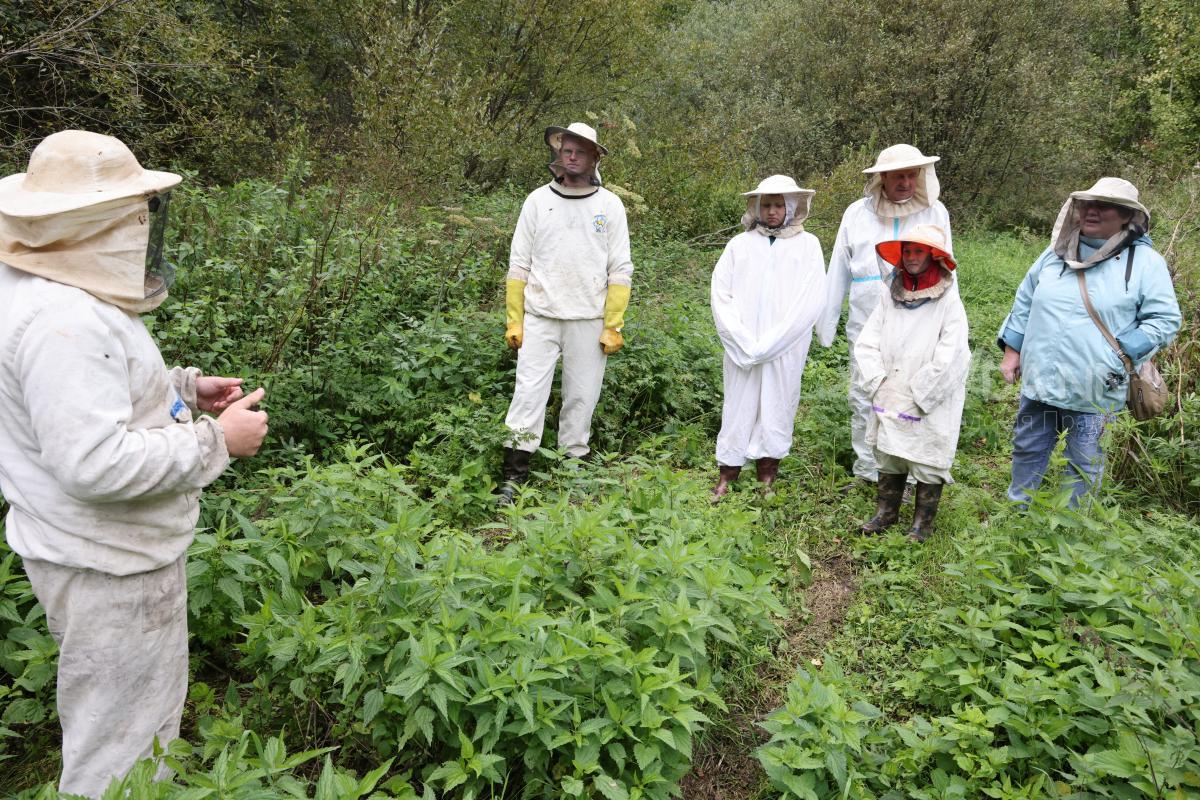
(365, 622)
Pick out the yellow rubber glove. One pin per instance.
(514, 313)
(614, 307)
(611, 341)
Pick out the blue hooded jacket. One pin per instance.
(1065, 360)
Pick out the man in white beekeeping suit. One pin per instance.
(901, 194)
(566, 293)
(103, 451)
(768, 290)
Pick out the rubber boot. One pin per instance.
(888, 492)
(767, 469)
(727, 476)
(929, 495)
(515, 470)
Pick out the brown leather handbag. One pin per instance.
(1147, 390)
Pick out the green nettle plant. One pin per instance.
(1068, 667)
(571, 655)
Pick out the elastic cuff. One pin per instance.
(1010, 338)
(1136, 344)
(184, 380)
(214, 453)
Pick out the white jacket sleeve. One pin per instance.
(520, 255)
(944, 223)
(75, 381)
(620, 263)
(184, 380)
(868, 354)
(735, 337)
(803, 314)
(951, 361)
(837, 283)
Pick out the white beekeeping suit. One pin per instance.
(855, 268)
(103, 450)
(767, 293)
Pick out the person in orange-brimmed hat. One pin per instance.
(912, 360)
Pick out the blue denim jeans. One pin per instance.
(1035, 433)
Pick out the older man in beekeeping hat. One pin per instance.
(102, 450)
(566, 294)
(901, 194)
(768, 289)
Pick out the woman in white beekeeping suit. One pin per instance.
(767, 293)
(901, 194)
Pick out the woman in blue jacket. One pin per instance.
(1071, 378)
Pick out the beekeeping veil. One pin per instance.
(86, 214)
(1065, 238)
(896, 157)
(797, 200)
(554, 137)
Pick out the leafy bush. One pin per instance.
(570, 655)
(1063, 661)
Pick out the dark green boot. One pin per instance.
(929, 495)
(888, 492)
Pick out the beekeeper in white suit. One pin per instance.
(101, 457)
(767, 293)
(901, 193)
(566, 293)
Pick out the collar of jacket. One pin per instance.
(572, 192)
(913, 298)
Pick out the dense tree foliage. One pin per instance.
(433, 98)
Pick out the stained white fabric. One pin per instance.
(765, 297)
(855, 268)
(100, 458)
(913, 364)
(578, 342)
(122, 665)
(920, 473)
(569, 245)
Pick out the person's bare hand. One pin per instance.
(215, 394)
(1010, 365)
(244, 427)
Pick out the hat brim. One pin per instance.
(18, 202)
(556, 132)
(764, 192)
(890, 252)
(1124, 202)
(924, 161)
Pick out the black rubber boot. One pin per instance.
(515, 471)
(929, 495)
(727, 476)
(888, 492)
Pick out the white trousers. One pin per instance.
(860, 412)
(578, 342)
(122, 666)
(921, 473)
(758, 413)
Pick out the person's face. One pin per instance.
(578, 157)
(772, 210)
(900, 184)
(915, 258)
(1101, 220)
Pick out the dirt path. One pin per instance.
(724, 766)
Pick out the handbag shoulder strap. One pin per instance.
(1112, 340)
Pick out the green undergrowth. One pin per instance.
(1058, 658)
(365, 622)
